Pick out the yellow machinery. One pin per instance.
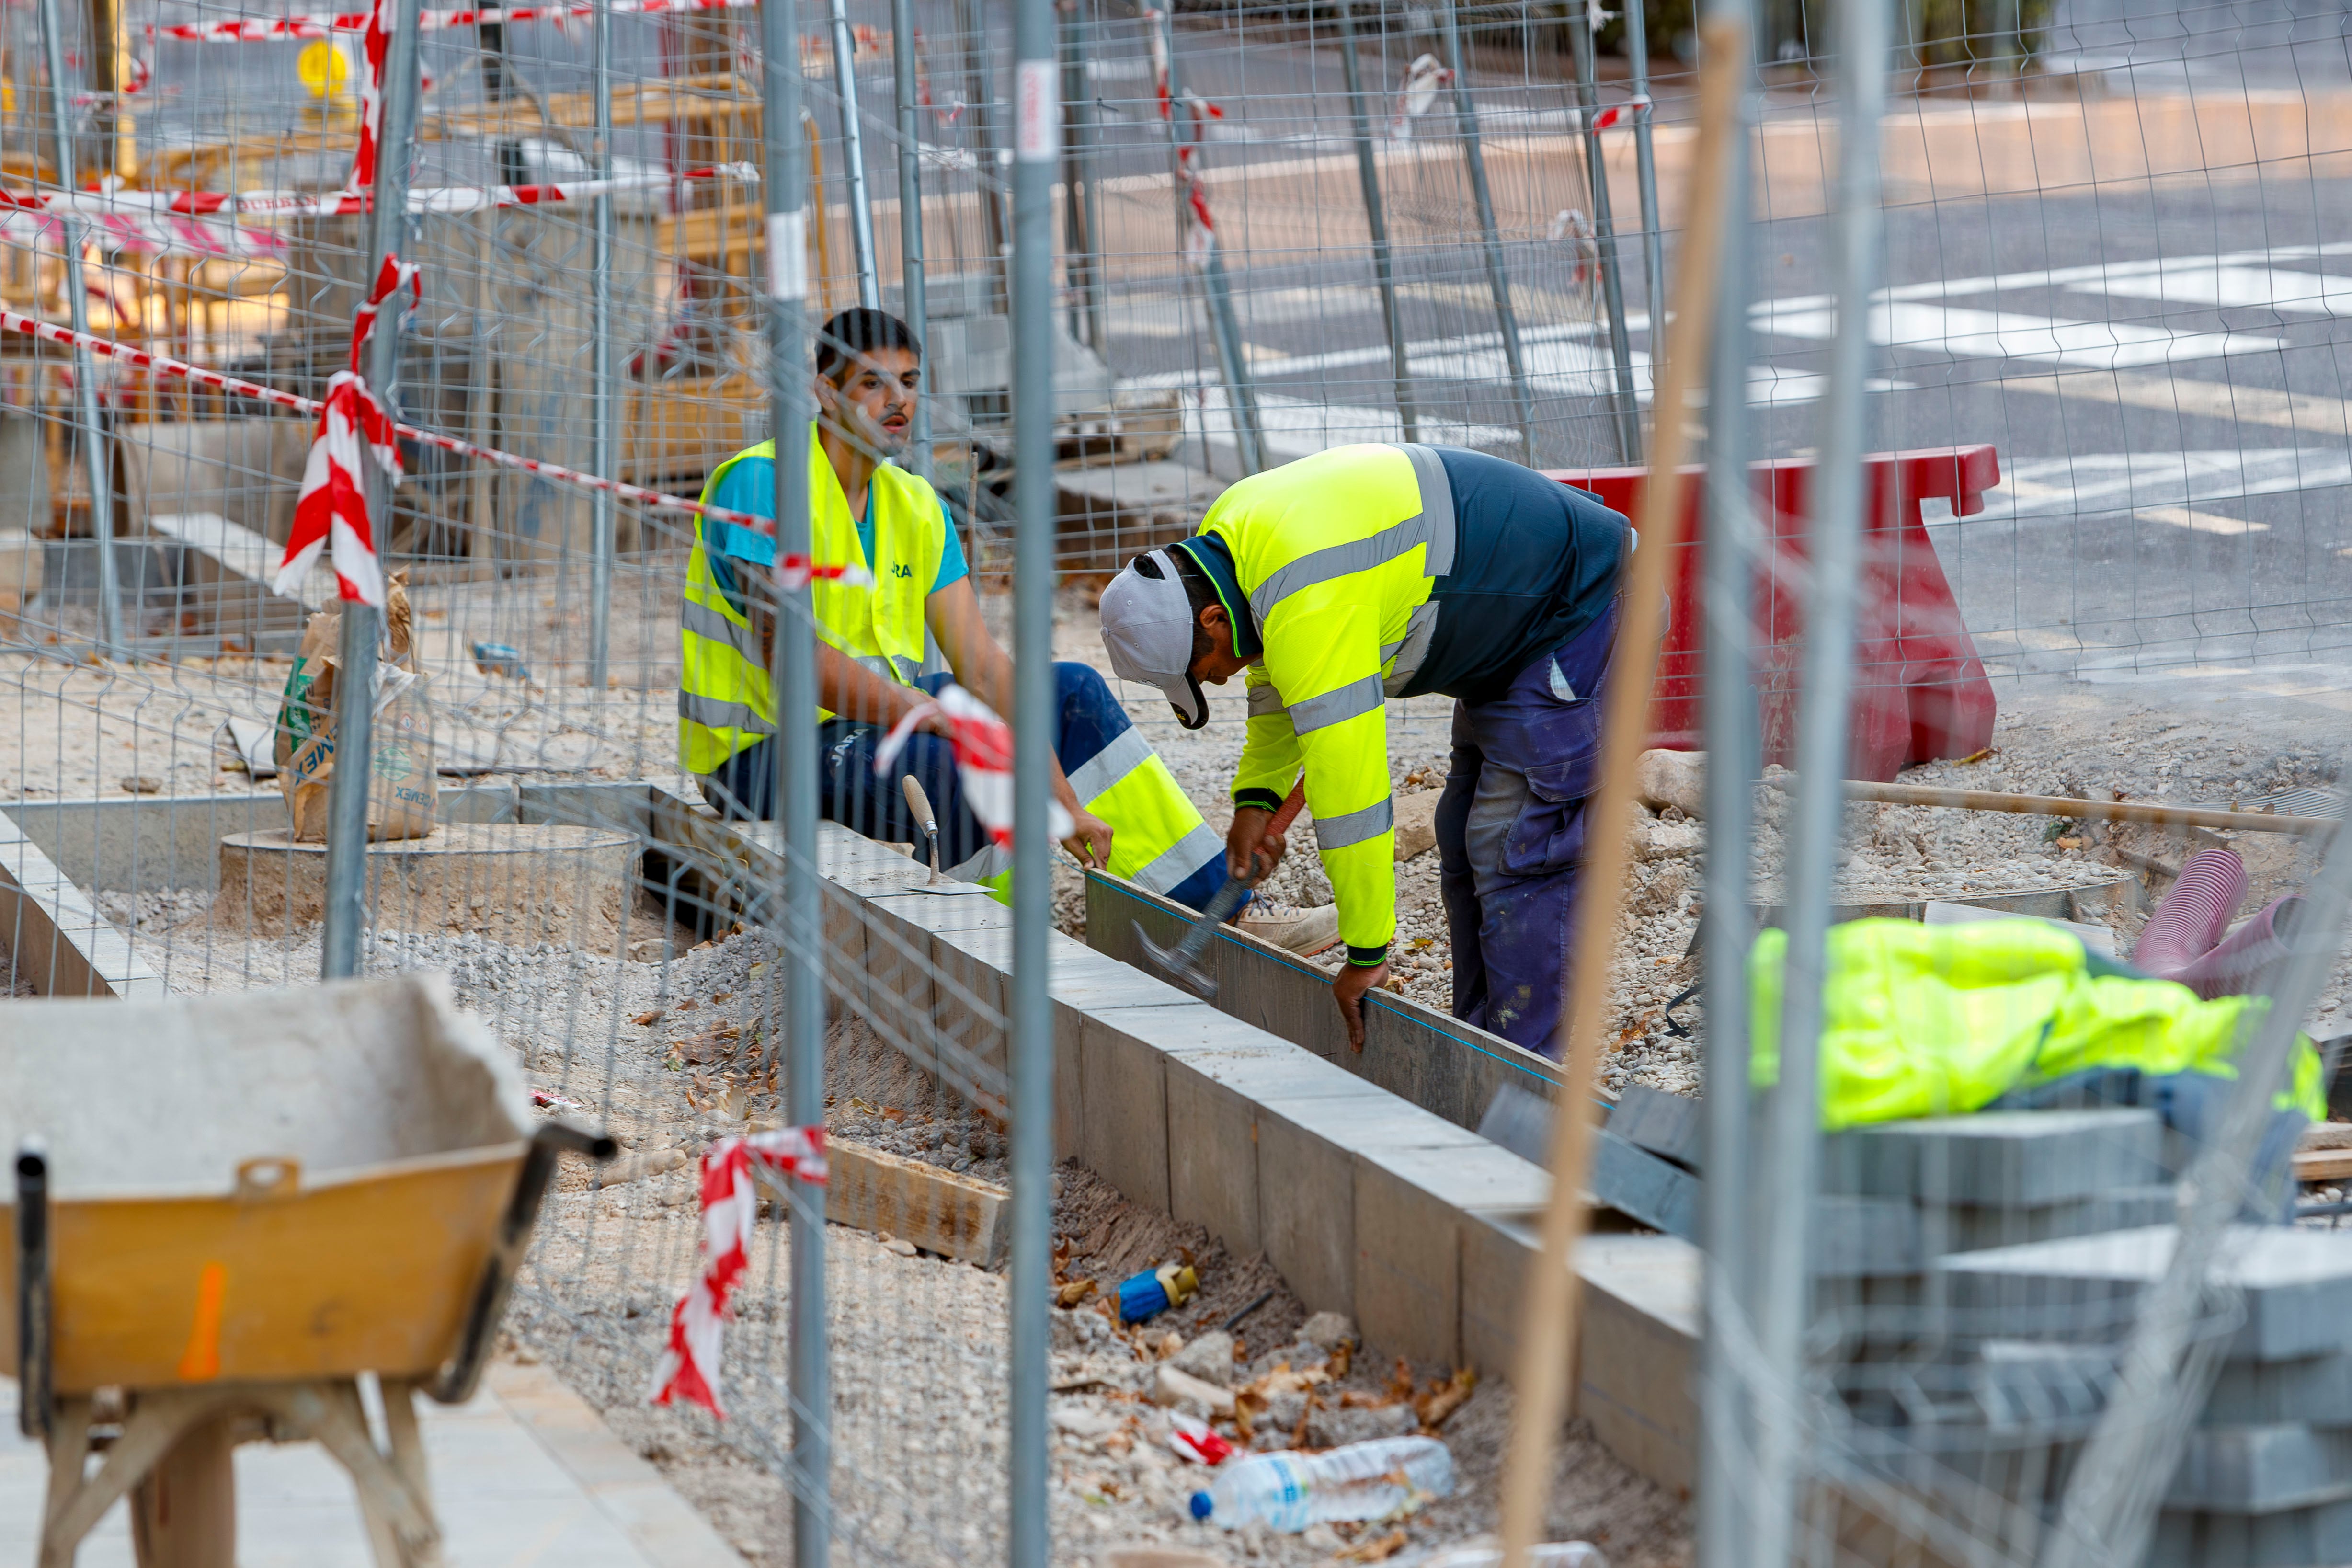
(225, 1212)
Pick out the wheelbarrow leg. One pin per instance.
(407, 1442)
(400, 1526)
(75, 1505)
(68, 1459)
(183, 1511)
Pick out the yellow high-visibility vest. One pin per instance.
(724, 700)
(1337, 554)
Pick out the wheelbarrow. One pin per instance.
(225, 1211)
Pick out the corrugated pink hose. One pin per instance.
(2241, 966)
(2193, 916)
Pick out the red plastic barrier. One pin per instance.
(1921, 693)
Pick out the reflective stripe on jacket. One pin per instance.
(1336, 554)
(724, 700)
(1921, 1020)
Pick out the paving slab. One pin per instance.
(2296, 1538)
(525, 1476)
(2294, 1284)
(2311, 1388)
(1672, 1125)
(2003, 1157)
(2263, 1469)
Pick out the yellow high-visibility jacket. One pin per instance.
(724, 700)
(1921, 1020)
(1336, 554)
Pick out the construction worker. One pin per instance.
(880, 650)
(1372, 571)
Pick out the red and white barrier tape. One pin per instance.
(689, 1363)
(789, 568)
(1197, 110)
(327, 24)
(331, 512)
(983, 753)
(1626, 113)
(1418, 91)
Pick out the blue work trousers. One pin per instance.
(1511, 829)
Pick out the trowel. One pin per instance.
(1182, 964)
(927, 820)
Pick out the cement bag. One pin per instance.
(402, 796)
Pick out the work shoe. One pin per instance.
(1303, 932)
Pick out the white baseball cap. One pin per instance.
(1146, 627)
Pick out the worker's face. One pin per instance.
(872, 398)
(1218, 665)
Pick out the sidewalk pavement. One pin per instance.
(525, 1475)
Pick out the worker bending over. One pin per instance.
(1372, 571)
(874, 663)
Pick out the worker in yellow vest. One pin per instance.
(1371, 571)
(884, 647)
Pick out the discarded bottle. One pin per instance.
(1550, 1554)
(1287, 1491)
(1153, 1291)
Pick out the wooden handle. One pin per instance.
(2079, 810)
(920, 804)
(1288, 814)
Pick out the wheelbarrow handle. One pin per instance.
(35, 1390)
(455, 1381)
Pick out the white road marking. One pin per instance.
(2117, 483)
(2002, 334)
(2200, 522)
(2205, 282)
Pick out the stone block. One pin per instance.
(1672, 1125)
(2001, 1157)
(1970, 1228)
(1307, 1149)
(1858, 1237)
(1638, 1364)
(2294, 1538)
(2293, 1283)
(2263, 1469)
(1411, 1206)
(1496, 1251)
(1636, 1182)
(1124, 1138)
(2315, 1389)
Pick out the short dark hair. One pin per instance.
(861, 330)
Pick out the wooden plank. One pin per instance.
(938, 1210)
(2323, 1165)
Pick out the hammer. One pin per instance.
(1182, 962)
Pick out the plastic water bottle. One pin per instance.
(1288, 1491)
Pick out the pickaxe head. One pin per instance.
(1179, 966)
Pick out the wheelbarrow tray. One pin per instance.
(272, 1186)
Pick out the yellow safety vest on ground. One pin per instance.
(724, 702)
(1921, 1020)
(1336, 554)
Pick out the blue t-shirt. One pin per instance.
(750, 488)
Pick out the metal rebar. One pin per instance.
(1216, 289)
(1368, 176)
(794, 679)
(1490, 237)
(600, 362)
(1646, 167)
(1626, 402)
(363, 627)
(1833, 551)
(1081, 189)
(915, 302)
(1727, 554)
(90, 429)
(1037, 119)
(853, 159)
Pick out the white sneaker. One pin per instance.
(1305, 933)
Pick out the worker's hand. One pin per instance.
(1251, 835)
(1347, 988)
(1089, 841)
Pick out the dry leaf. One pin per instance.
(1379, 1550)
(1076, 1292)
(645, 1020)
(1445, 1398)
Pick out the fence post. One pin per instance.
(1037, 117)
(794, 682)
(92, 432)
(1216, 289)
(600, 369)
(1646, 169)
(1368, 175)
(1081, 189)
(1498, 279)
(1834, 550)
(853, 159)
(914, 303)
(1626, 402)
(362, 629)
(1734, 743)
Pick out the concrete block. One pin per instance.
(1213, 1156)
(1411, 1207)
(1968, 1227)
(2293, 1283)
(1124, 1138)
(2004, 1157)
(1496, 1251)
(1672, 1125)
(2033, 1384)
(2294, 1538)
(1638, 1364)
(1634, 1182)
(1858, 1237)
(2263, 1469)
(2315, 1389)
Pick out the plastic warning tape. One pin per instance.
(326, 24)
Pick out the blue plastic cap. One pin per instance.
(1202, 1505)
